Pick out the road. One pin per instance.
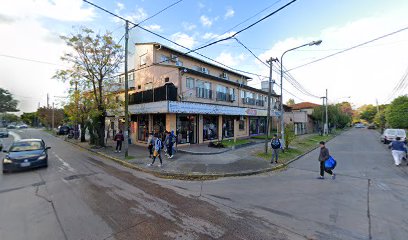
(82, 196)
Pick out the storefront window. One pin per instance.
(210, 129)
(159, 124)
(227, 126)
(186, 129)
(242, 123)
(262, 125)
(253, 126)
(143, 125)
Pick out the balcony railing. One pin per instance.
(248, 101)
(166, 92)
(260, 103)
(221, 96)
(203, 93)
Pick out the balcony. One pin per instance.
(260, 103)
(203, 93)
(163, 93)
(225, 97)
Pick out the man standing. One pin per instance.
(324, 155)
(157, 150)
(119, 138)
(398, 150)
(276, 145)
(171, 141)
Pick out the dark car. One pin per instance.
(24, 154)
(4, 133)
(11, 126)
(63, 130)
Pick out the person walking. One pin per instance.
(398, 150)
(276, 145)
(119, 138)
(323, 156)
(150, 143)
(158, 144)
(171, 141)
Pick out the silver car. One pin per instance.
(391, 134)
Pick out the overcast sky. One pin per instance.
(31, 48)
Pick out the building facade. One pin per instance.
(199, 101)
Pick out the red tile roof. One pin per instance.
(304, 105)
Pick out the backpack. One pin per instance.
(158, 144)
(275, 143)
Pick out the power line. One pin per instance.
(164, 9)
(30, 60)
(246, 28)
(249, 50)
(350, 48)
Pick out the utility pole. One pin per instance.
(52, 115)
(76, 130)
(48, 101)
(126, 91)
(326, 127)
(270, 87)
(322, 124)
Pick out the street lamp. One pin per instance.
(318, 42)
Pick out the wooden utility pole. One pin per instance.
(126, 130)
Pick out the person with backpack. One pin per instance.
(323, 156)
(398, 150)
(171, 140)
(276, 145)
(158, 145)
(119, 138)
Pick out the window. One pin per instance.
(166, 79)
(221, 93)
(164, 59)
(121, 79)
(190, 83)
(179, 63)
(210, 127)
(228, 126)
(139, 87)
(186, 128)
(143, 59)
(130, 76)
(203, 89)
(148, 86)
(242, 124)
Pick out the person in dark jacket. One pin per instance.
(158, 145)
(276, 145)
(323, 156)
(398, 150)
(119, 138)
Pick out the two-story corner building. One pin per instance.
(301, 116)
(198, 100)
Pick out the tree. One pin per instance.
(95, 60)
(7, 103)
(79, 110)
(29, 118)
(291, 101)
(289, 134)
(8, 117)
(397, 112)
(45, 116)
(367, 112)
(337, 118)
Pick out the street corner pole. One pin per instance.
(326, 127)
(126, 130)
(270, 87)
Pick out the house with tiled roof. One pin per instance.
(300, 116)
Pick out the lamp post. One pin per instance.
(318, 42)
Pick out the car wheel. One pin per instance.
(5, 171)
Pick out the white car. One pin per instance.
(391, 134)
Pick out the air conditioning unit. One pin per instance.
(173, 58)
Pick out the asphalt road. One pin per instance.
(82, 196)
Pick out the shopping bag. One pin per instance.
(330, 163)
(155, 153)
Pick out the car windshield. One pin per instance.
(401, 133)
(26, 146)
(391, 132)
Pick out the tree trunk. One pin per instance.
(83, 131)
(100, 130)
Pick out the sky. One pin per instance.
(31, 47)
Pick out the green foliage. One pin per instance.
(7, 103)
(396, 113)
(339, 115)
(29, 118)
(291, 101)
(46, 115)
(368, 112)
(95, 60)
(289, 134)
(8, 117)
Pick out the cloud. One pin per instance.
(154, 27)
(205, 21)
(62, 10)
(229, 59)
(188, 26)
(184, 39)
(214, 36)
(230, 13)
(365, 73)
(120, 6)
(201, 5)
(137, 15)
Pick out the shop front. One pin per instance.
(186, 131)
(210, 127)
(228, 126)
(257, 125)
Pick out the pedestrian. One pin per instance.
(171, 141)
(158, 145)
(323, 156)
(398, 150)
(150, 143)
(119, 138)
(276, 145)
(166, 143)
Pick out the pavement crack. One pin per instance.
(368, 209)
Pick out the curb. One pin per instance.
(203, 153)
(197, 176)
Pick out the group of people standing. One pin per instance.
(156, 144)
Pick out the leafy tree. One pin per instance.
(7, 103)
(367, 112)
(29, 118)
(8, 117)
(291, 101)
(337, 118)
(396, 113)
(45, 116)
(289, 134)
(95, 59)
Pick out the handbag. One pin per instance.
(330, 163)
(155, 153)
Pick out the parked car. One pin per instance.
(63, 130)
(11, 126)
(24, 154)
(359, 125)
(4, 133)
(22, 126)
(390, 134)
(371, 126)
